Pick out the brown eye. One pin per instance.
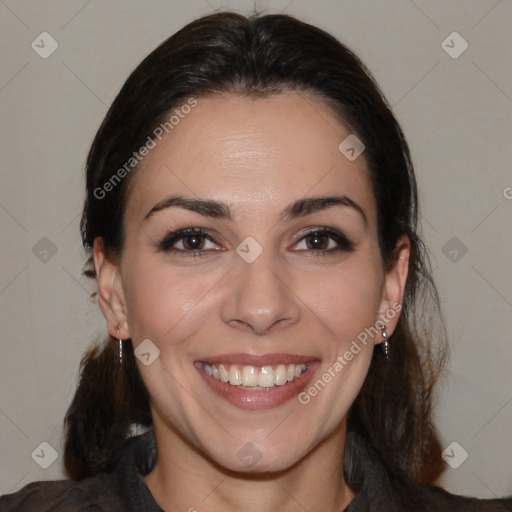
(190, 242)
(193, 242)
(317, 241)
(325, 241)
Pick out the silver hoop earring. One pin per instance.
(120, 347)
(385, 343)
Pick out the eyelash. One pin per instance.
(344, 244)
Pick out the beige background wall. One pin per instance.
(456, 113)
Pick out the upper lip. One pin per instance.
(258, 360)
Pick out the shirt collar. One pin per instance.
(139, 455)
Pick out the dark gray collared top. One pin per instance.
(124, 490)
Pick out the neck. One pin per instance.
(184, 479)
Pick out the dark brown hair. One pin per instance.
(227, 53)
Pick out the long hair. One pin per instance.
(227, 53)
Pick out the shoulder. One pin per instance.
(118, 490)
(434, 498)
(99, 493)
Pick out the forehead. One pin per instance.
(256, 154)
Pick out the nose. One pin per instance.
(261, 296)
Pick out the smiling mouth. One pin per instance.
(257, 382)
(254, 378)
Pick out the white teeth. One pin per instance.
(249, 376)
(224, 375)
(266, 377)
(234, 376)
(253, 377)
(280, 375)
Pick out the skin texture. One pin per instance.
(258, 156)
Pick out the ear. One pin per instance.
(110, 292)
(393, 288)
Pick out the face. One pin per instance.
(251, 263)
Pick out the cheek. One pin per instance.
(347, 297)
(164, 303)
(345, 302)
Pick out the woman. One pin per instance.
(252, 216)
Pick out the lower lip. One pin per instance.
(259, 399)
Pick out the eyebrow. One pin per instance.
(300, 208)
